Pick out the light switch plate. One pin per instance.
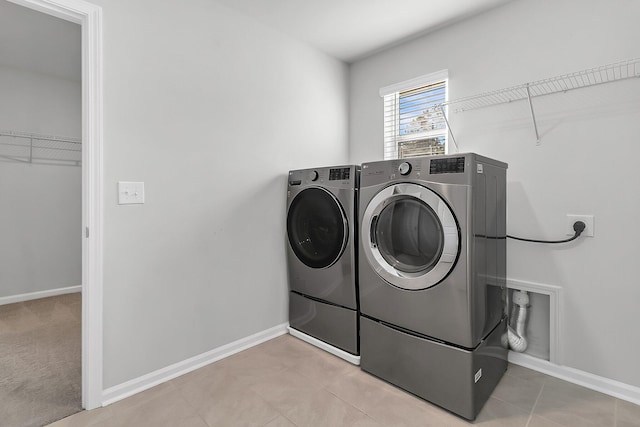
(130, 193)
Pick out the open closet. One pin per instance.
(41, 217)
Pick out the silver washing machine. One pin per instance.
(321, 257)
(432, 276)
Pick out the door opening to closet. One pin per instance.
(41, 217)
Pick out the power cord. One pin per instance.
(578, 227)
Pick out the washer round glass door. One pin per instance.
(410, 236)
(317, 227)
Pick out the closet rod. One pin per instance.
(40, 137)
(40, 148)
(580, 79)
(623, 70)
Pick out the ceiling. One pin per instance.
(37, 42)
(352, 29)
(345, 29)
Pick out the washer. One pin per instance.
(321, 257)
(432, 276)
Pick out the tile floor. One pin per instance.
(287, 382)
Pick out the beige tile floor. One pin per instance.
(287, 382)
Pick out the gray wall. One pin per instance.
(584, 165)
(210, 109)
(40, 214)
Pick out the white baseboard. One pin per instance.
(39, 294)
(136, 385)
(113, 394)
(594, 382)
(326, 347)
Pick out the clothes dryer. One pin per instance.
(321, 256)
(432, 276)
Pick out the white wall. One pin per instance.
(40, 214)
(586, 163)
(210, 110)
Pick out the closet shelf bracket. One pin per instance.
(533, 115)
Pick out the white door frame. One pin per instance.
(89, 16)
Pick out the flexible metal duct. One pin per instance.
(516, 338)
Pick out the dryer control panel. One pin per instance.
(462, 168)
(447, 165)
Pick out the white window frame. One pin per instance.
(390, 146)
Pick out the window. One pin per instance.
(413, 121)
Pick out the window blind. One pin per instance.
(413, 123)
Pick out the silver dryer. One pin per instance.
(432, 276)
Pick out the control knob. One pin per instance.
(404, 168)
(313, 175)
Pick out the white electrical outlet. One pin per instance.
(130, 193)
(588, 222)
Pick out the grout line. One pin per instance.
(286, 418)
(278, 413)
(270, 405)
(535, 404)
(326, 388)
(202, 418)
(345, 401)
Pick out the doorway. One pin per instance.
(41, 223)
(89, 17)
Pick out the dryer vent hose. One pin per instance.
(517, 340)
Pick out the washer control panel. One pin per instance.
(339, 174)
(336, 177)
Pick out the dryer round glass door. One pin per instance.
(317, 227)
(410, 236)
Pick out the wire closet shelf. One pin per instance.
(580, 79)
(44, 149)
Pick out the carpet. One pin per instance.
(40, 360)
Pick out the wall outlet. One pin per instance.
(588, 221)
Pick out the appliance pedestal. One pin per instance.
(332, 324)
(457, 379)
(351, 358)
